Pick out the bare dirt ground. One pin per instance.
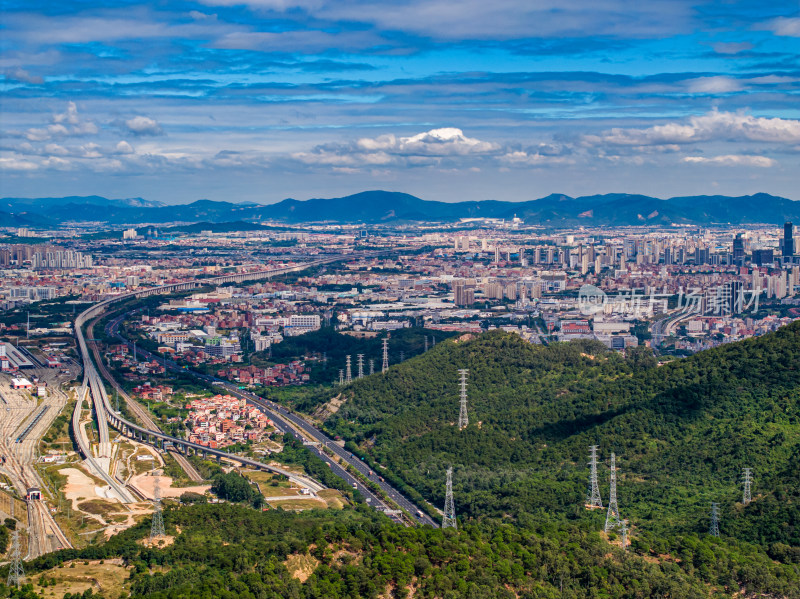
(80, 487)
(146, 483)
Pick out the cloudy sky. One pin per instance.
(261, 100)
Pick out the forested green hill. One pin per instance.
(229, 551)
(682, 432)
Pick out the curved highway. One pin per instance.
(288, 422)
(138, 410)
(301, 429)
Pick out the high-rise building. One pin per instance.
(738, 250)
(788, 240)
(762, 257)
(701, 255)
(462, 296)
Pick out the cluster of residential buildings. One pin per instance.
(279, 375)
(224, 420)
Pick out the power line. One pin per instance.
(449, 519)
(593, 498)
(463, 418)
(612, 518)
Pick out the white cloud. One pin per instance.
(124, 147)
(499, 19)
(714, 126)
(14, 164)
(784, 26)
(428, 148)
(23, 76)
(55, 150)
(714, 85)
(732, 160)
(143, 125)
(64, 124)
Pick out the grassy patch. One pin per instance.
(301, 566)
(107, 578)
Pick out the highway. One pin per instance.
(664, 327)
(279, 415)
(292, 423)
(140, 413)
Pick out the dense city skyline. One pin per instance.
(261, 100)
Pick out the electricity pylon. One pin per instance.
(360, 365)
(426, 343)
(463, 418)
(612, 518)
(341, 376)
(16, 575)
(157, 527)
(348, 373)
(714, 528)
(385, 365)
(748, 479)
(372, 366)
(449, 519)
(593, 499)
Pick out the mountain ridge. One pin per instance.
(380, 206)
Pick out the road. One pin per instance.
(141, 414)
(20, 434)
(295, 425)
(665, 326)
(276, 412)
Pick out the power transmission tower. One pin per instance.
(748, 479)
(348, 374)
(426, 343)
(463, 419)
(372, 366)
(385, 365)
(16, 575)
(714, 528)
(402, 356)
(157, 527)
(449, 519)
(593, 498)
(612, 518)
(360, 365)
(341, 376)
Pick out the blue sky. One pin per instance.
(469, 100)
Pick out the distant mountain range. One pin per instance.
(372, 207)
